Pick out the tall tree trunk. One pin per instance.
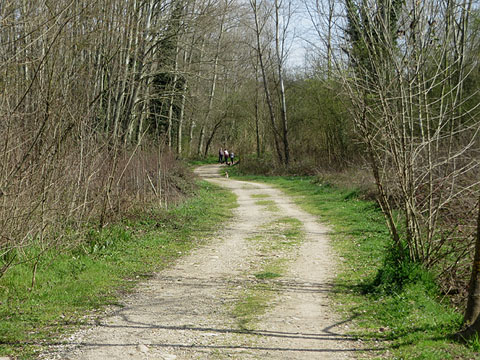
(214, 83)
(283, 102)
(201, 139)
(268, 97)
(257, 130)
(473, 305)
(212, 134)
(183, 98)
(190, 136)
(180, 117)
(122, 85)
(172, 99)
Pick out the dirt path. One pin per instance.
(185, 312)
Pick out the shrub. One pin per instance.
(399, 271)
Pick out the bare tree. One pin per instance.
(405, 78)
(325, 16)
(278, 15)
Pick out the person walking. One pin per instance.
(232, 156)
(220, 156)
(225, 155)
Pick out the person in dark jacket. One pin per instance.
(220, 156)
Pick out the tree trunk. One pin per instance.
(212, 89)
(180, 118)
(473, 305)
(183, 100)
(268, 97)
(257, 130)
(212, 134)
(172, 99)
(200, 140)
(283, 102)
(190, 136)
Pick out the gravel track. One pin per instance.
(185, 311)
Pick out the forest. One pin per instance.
(102, 101)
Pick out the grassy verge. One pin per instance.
(95, 273)
(411, 322)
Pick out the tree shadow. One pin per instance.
(327, 334)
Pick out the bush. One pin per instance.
(257, 166)
(268, 166)
(398, 272)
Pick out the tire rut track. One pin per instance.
(184, 312)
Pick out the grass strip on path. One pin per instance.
(276, 245)
(96, 273)
(412, 323)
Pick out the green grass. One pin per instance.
(252, 303)
(411, 322)
(95, 273)
(270, 205)
(259, 196)
(265, 202)
(267, 275)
